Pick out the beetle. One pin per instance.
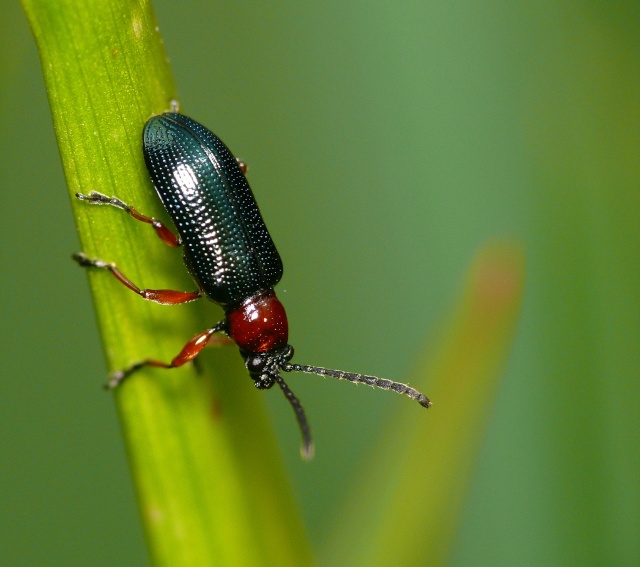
(229, 253)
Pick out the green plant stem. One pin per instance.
(210, 486)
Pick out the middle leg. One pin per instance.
(163, 296)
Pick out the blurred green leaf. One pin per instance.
(410, 498)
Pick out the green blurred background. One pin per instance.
(386, 145)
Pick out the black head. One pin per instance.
(264, 367)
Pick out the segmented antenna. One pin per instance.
(372, 381)
(307, 446)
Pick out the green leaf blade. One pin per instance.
(408, 505)
(210, 485)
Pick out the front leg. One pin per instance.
(188, 353)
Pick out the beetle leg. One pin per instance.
(243, 166)
(95, 198)
(188, 353)
(163, 296)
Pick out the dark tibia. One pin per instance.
(307, 442)
(362, 379)
(188, 353)
(95, 198)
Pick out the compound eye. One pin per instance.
(255, 364)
